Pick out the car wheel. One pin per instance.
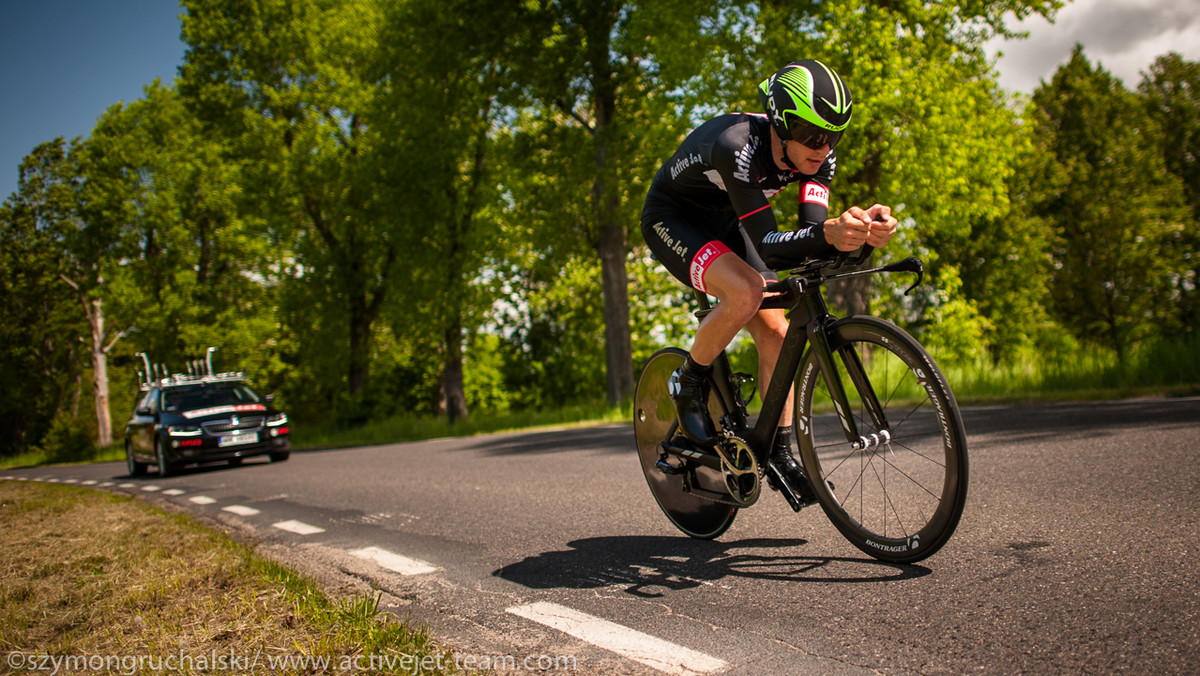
(165, 467)
(135, 468)
(280, 456)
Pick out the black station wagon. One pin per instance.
(191, 419)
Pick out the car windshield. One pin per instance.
(192, 397)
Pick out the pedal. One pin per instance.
(776, 482)
(669, 469)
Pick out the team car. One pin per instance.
(201, 417)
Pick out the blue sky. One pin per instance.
(64, 62)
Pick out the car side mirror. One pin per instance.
(145, 410)
(270, 399)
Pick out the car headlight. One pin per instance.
(184, 431)
(277, 420)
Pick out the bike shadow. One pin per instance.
(642, 563)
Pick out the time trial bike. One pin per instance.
(879, 432)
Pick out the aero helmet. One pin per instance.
(807, 102)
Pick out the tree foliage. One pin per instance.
(431, 206)
(1116, 214)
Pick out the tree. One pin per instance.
(435, 117)
(290, 84)
(1172, 93)
(608, 82)
(40, 324)
(1116, 212)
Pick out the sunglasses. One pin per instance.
(811, 136)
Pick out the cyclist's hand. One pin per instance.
(882, 224)
(849, 231)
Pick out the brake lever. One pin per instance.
(910, 264)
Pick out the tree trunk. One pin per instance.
(100, 374)
(617, 343)
(454, 398)
(611, 243)
(360, 344)
(94, 310)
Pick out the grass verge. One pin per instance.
(413, 428)
(91, 576)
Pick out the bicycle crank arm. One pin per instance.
(710, 460)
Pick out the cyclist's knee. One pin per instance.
(737, 284)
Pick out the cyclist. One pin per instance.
(708, 221)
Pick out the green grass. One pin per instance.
(414, 428)
(86, 573)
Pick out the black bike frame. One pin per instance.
(808, 316)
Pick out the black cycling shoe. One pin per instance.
(785, 467)
(689, 392)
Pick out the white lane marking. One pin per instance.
(151, 489)
(298, 527)
(201, 500)
(173, 491)
(648, 650)
(107, 483)
(70, 481)
(126, 485)
(241, 510)
(394, 562)
(89, 482)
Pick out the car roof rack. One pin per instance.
(198, 371)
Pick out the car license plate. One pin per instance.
(238, 439)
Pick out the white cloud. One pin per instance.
(1123, 36)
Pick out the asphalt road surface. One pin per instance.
(1076, 552)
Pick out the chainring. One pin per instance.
(739, 469)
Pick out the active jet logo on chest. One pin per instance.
(677, 247)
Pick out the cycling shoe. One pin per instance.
(787, 469)
(689, 392)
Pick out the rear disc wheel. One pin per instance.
(653, 418)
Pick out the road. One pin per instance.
(1076, 552)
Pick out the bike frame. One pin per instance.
(808, 319)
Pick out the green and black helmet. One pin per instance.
(807, 102)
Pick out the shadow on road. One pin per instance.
(643, 563)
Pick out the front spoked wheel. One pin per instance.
(653, 420)
(896, 491)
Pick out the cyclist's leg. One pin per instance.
(738, 287)
(691, 248)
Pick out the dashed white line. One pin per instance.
(298, 527)
(240, 510)
(151, 489)
(126, 485)
(643, 648)
(395, 562)
(89, 482)
(173, 491)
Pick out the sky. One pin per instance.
(64, 62)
